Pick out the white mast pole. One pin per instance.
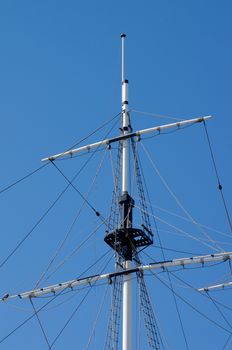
(127, 282)
(125, 124)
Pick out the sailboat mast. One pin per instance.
(125, 123)
(126, 217)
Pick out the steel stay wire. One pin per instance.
(59, 196)
(44, 165)
(23, 178)
(176, 199)
(151, 324)
(218, 309)
(189, 285)
(187, 220)
(192, 306)
(194, 289)
(74, 251)
(97, 317)
(44, 215)
(154, 114)
(40, 324)
(203, 294)
(217, 176)
(227, 343)
(76, 189)
(180, 230)
(70, 182)
(72, 225)
(202, 240)
(90, 134)
(77, 308)
(52, 298)
(175, 301)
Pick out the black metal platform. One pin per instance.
(124, 237)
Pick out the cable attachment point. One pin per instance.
(138, 138)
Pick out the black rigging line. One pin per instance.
(112, 336)
(76, 189)
(71, 316)
(90, 134)
(48, 302)
(153, 334)
(40, 324)
(169, 278)
(191, 306)
(70, 182)
(77, 308)
(219, 310)
(173, 250)
(60, 195)
(23, 178)
(156, 226)
(27, 319)
(74, 145)
(189, 285)
(228, 341)
(33, 228)
(217, 176)
(203, 294)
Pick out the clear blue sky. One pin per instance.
(60, 78)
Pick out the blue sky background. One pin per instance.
(60, 69)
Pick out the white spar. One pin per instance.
(91, 280)
(216, 286)
(138, 133)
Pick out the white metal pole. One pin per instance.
(125, 123)
(127, 310)
(127, 282)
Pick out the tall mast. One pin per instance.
(125, 239)
(126, 210)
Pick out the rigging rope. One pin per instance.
(97, 317)
(192, 306)
(177, 200)
(74, 145)
(219, 310)
(90, 134)
(23, 178)
(45, 213)
(77, 308)
(40, 324)
(112, 337)
(71, 226)
(76, 189)
(60, 195)
(181, 231)
(153, 334)
(217, 176)
(155, 115)
(142, 199)
(51, 300)
(74, 251)
(185, 301)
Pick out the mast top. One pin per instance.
(123, 56)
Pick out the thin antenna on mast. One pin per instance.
(123, 56)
